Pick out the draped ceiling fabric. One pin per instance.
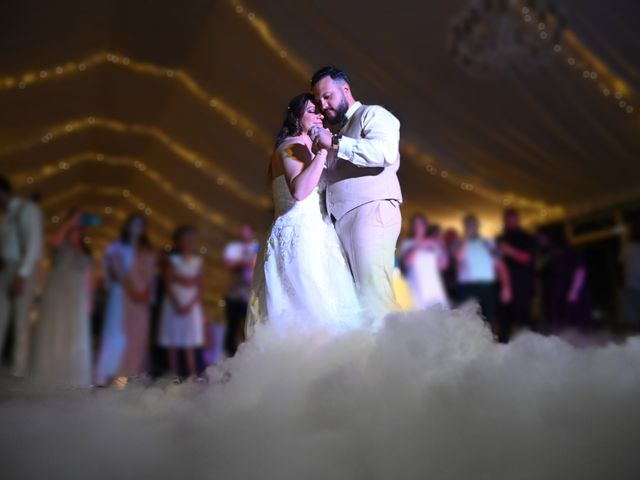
(170, 107)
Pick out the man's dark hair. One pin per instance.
(5, 185)
(330, 71)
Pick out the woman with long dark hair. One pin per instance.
(302, 279)
(129, 265)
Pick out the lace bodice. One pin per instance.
(286, 206)
(302, 280)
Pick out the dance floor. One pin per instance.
(431, 395)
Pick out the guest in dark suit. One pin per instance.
(517, 248)
(566, 296)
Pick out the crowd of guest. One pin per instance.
(140, 314)
(144, 316)
(519, 279)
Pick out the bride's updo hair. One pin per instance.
(291, 127)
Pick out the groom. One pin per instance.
(363, 194)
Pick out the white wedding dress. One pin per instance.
(302, 282)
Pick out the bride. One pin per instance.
(302, 280)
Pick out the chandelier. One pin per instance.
(509, 36)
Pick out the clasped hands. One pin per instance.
(321, 138)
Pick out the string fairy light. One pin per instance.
(253, 133)
(222, 178)
(165, 224)
(427, 163)
(235, 118)
(213, 102)
(270, 39)
(578, 56)
(595, 70)
(189, 201)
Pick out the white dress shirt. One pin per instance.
(242, 277)
(478, 264)
(378, 146)
(21, 235)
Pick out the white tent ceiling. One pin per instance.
(175, 104)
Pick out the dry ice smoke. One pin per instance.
(430, 396)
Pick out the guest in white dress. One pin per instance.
(182, 319)
(423, 259)
(62, 336)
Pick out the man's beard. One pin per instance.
(341, 112)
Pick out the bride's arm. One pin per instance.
(300, 170)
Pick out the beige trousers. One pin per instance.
(369, 234)
(17, 311)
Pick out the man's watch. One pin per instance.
(335, 140)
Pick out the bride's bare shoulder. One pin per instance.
(290, 142)
(293, 147)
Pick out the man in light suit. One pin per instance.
(363, 194)
(21, 244)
